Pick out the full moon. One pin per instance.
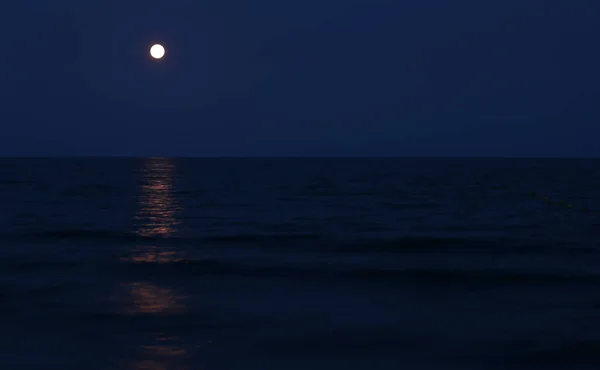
(157, 51)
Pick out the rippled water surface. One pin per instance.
(178, 264)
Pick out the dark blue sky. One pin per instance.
(312, 77)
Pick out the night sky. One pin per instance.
(300, 78)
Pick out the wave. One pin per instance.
(308, 241)
(317, 257)
(340, 244)
(81, 234)
(126, 237)
(411, 244)
(349, 271)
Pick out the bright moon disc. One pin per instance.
(157, 51)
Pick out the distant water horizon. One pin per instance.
(340, 157)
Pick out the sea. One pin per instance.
(409, 263)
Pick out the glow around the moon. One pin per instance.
(157, 51)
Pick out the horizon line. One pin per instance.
(286, 157)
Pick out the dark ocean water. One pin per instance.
(172, 264)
